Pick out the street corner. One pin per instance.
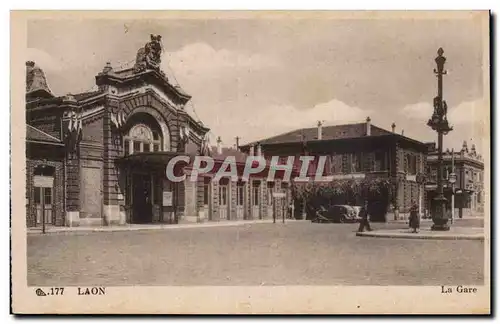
(455, 233)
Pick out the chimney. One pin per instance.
(402, 132)
(368, 126)
(320, 130)
(393, 126)
(252, 150)
(237, 142)
(259, 149)
(219, 145)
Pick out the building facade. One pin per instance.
(468, 166)
(358, 151)
(98, 158)
(226, 198)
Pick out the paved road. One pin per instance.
(298, 253)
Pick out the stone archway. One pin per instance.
(165, 130)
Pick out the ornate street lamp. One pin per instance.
(439, 123)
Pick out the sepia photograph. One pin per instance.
(238, 162)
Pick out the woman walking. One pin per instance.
(414, 218)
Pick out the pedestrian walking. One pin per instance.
(414, 217)
(364, 222)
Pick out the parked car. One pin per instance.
(336, 214)
(356, 210)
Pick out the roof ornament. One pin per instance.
(149, 56)
(107, 68)
(36, 81)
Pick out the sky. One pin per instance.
(255, 78)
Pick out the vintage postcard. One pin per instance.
(250, 162)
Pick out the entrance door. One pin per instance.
(256, 200)
(43, 203)
(142, 198)
(43, 184)
(223, 205)
(206, 198)
(270, 209)
(240, 199)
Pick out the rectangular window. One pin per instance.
(356, 159)
(37, 195)
(270, 189)
(126, 147)
(434, 174)
(256, 196)
(146, 147)
(336, 164)
(156, 147)
(380, 161)
(411, 164)
(223, 195)
(137, 147)
(256, 193)
(240, 195)
(206, 188)
(48, 196)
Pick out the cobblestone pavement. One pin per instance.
(300, 253)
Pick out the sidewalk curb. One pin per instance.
(127, 228)
(473, 237)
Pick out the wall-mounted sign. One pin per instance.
(167, 198)
(43, 181)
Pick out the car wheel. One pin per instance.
(342, 219)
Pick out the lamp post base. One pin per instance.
(439, 217)
(440, 225)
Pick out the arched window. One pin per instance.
(141, 138)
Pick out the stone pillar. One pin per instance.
(248, 200)
(232, 199)
(72, 191)
(111, 189)
(215, 201)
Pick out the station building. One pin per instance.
(98, 158)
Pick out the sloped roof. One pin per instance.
(86, 95)
(328, 133)
(36, 135)
(229, 151)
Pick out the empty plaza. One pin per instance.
(295, 253)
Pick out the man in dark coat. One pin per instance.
(364, 222)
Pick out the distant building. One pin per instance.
(469, 186)
(358, 151)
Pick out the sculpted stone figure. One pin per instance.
(149, 56)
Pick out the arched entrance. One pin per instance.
(144, 179)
